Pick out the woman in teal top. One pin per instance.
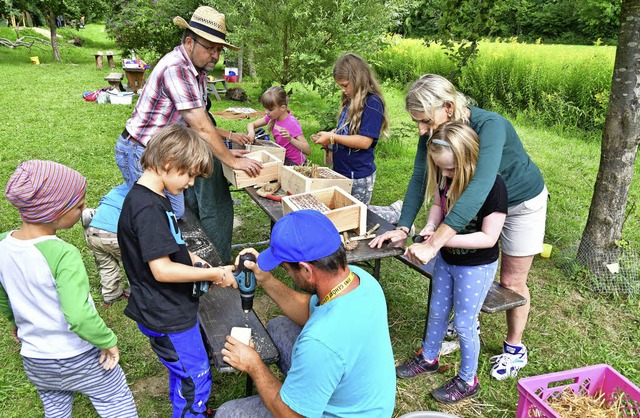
(431, 101)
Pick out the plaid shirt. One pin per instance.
(174, 85)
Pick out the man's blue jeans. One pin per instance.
(128, 155)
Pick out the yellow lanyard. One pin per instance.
(338, 289)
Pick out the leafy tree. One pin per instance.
(620, 140)
(147, 26)
(49, 9)
(298, 39)
(290, 39)
(457, 24)
(566, 21)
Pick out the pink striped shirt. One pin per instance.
(174, 85)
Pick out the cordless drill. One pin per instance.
(246, 282)
(200, 288)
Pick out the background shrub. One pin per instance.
(549, 84)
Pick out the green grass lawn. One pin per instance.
(43, 116)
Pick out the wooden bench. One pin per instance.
(220, 309)
(498, 299)
(109, 56)
(115, 80)
(211, 86)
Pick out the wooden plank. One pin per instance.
(501, 299)
(498, 299)
(221, 309)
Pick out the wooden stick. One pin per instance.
(372, 230)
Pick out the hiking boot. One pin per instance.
(123, 296)
(452, 332)
(416, 366)
(509, 363)
(87, 217)
(456, 390)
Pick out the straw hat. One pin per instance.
(208, 23)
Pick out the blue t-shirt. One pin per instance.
(342, 361)
(109, 208)
(359, 163)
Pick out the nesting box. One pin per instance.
(345, 211)
(271, 147)
(297, 179)
(270, 170)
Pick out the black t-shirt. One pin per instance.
(496, 202)
(148, 230)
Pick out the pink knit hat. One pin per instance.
(43, 191)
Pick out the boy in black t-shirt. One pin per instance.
(160, 268)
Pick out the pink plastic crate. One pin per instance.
(535, 391)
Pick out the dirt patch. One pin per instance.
(43, 32)
(154, 386)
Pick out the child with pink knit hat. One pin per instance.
(44, 293)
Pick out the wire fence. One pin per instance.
(615, 271)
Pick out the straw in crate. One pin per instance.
(537, 392)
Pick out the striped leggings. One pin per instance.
(57, 379)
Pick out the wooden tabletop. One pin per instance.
(274, 210)
(220, 309)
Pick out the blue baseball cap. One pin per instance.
(303, 235)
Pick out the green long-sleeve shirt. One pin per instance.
(501, 152)
(44, 291)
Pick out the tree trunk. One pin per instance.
(620, 139)
(51, 19)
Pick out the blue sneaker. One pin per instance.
(418, 365)
(509, 363)
(456, 390)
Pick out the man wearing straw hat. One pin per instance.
(176, 92)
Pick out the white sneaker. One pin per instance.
(509, 363)
(452, 332)
(87, 217)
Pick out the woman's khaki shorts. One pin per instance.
(523, 231)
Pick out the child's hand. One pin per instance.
(285, 134)
(109, 358)
(228, 280)
(321, 138)
(14, 332)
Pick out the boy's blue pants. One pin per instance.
(184, 354)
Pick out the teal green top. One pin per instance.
(501, 152)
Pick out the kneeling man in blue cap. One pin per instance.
(334, 343)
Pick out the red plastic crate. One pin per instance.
(535, 391)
